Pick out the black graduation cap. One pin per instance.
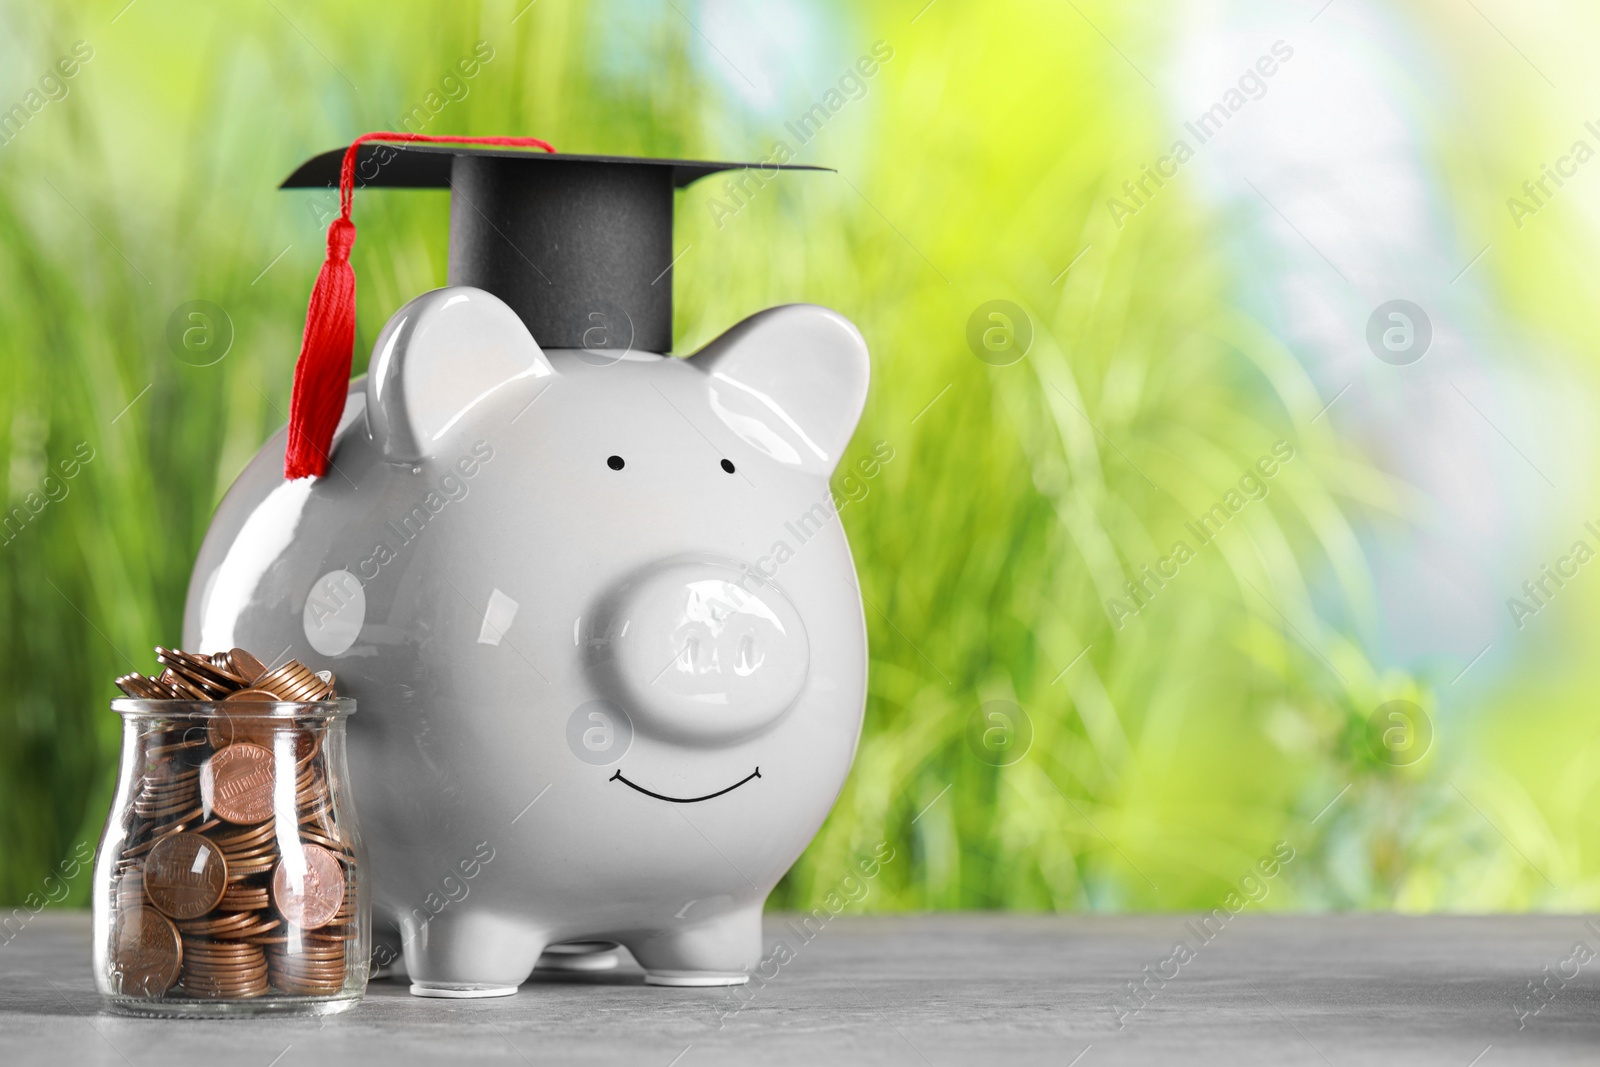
(567, 241)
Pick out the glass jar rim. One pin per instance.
(205, 710)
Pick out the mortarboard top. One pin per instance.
(567, 241)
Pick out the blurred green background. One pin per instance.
(1138, 766)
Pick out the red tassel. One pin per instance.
(322, 374)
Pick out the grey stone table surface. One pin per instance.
(925, 989)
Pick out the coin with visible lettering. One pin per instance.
(146, 953)
(308, 888)
(236, 783)
(185, 875)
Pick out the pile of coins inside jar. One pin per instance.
(214, 897)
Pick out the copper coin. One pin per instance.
(289, 979)
(246, 666)
(138, 686)
(212, 924)
(219, 953)
(228, 962)
(250, 872)
(295, 681)
(310, 955)
(185, 875)
(146, 953)
(321, 839)
(168, 774)
(247, 837)
(203, 988)
(238, 783)
(130, 887)
(331, 971)
(205, 678)
(299, 965)
(334, 972)
(251, 856)
(199, 669)
(262, 927)
(308, 889)
(243, 898)
(283, 680)
(248, 849)
(245, 725)
(231, 975)
(251, 694)
(180, 687)
(224, 983)
(227, 728)
(244, 870)
(164, 690)
(297, 987)
(247, 857)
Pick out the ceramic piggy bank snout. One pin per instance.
(600, 620)
(699, 658)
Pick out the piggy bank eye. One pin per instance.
(727, 465)
(615, 463)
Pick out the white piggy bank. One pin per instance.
(600, 619)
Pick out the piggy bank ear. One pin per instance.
(440, 356)
(791, 382)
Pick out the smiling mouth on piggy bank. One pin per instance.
(683, 800)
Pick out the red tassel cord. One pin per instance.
(322, 374)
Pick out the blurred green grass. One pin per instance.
(1167, 755)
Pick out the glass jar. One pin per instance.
(229, 879)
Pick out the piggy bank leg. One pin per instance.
(719, 951)
(469, 954)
